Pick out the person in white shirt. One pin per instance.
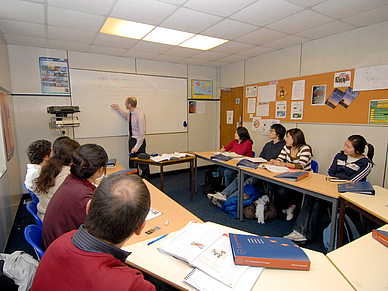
(38, 152)
(136, 132)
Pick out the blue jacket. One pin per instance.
(230, 205)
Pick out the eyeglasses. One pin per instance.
(272, 130)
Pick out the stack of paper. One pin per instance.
(274, 168)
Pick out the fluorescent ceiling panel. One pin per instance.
(201, 42)
(126, 28)
(167, 36)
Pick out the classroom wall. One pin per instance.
(30, 105)
(10, 190)
(363, 47)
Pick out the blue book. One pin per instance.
(244, 163)
(128, 172)
(265, 251)
(381, 236)
(357, 187)
(293, 176)
(220, 157)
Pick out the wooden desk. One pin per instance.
(363, 262)
(177, 216)
(114, 169)
(167, 163)
(322, 275)
(372, 207)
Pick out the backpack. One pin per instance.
(213, 181)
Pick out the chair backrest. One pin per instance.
(253, 154)
(314, 166)
(32, 208)
(33, 196)
(33, 235)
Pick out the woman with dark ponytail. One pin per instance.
(67, 209)
(54, 172)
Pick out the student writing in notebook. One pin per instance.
(349, 164)
(91, 257)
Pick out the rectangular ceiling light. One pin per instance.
(126, 28)
(202, 42)
(168, 36)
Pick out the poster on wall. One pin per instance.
(54, 75)
(192, 106)
(297, 110)
(256, 122)
(342, 79)
(319, 95)
(229, 117)
(378, 111)
(201, 89)
(281, 107)
(6, 120)
(251, 91)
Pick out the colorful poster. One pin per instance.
(192, 106)
(256, 122)
(54, 75)
(378, 111)
(281, 107)
(201, 89)
(297, 110)
(349, 97)
(342, 79)
(319, 95)
(6, 119)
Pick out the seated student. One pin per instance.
(270, 151)
(242, 145)
(296, 154)
(38, 152)
(54, 172)
(66, 210)
(90, 258)
(350, 164)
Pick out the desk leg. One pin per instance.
(191, 179)
(196, 176)
(161, 178)
(240, 203)
(334, 212)
(341, 221)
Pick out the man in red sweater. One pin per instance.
(90, 258)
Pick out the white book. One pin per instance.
(274, 168)
(152, 214)
(165, 157)
(207, 248)
(183, 155)
(257, 160)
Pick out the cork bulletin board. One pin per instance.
(356, 113)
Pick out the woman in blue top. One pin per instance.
(350, 164)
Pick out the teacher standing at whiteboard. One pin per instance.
(136, 132)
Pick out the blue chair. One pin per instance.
(33, 235)
(314, 166)
(32, 208)
(253, 154)
(33, 196)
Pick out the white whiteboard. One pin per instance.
(371, 78)
(163, 100)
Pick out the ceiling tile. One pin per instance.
(188, 20)
(229, 29)
(25, 40)
(215, 64)
(346, 8)
(175, 2)
(300, 21)
(114, 41)
(22, 11)
(231, 47)
(22, 28)
(218, 7)
(256, 51)
(232, 59)
(210, 56)
(182, 52)
(70, 35)
(260, 36)
(369, 17)
(140, 55)
(101, 7)
(194, 62)
(74, 19)
(306, 3)
(104, 50)
(170, 59)
(66, 45)
(327, 29)
(287, 41)
(151, 47)
(144, 11)
(265, 12)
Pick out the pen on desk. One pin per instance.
(155, 240)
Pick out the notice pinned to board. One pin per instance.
(378, 111)
(251, 91)
(371, 78)
(229, 117)
(54, 75)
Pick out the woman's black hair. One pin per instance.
(243, 134)
(359, 143)
(87, 159)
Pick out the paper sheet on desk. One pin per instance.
(228, 154)
(274, 168)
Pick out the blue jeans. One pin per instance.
(232, 189)
(227, 174)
